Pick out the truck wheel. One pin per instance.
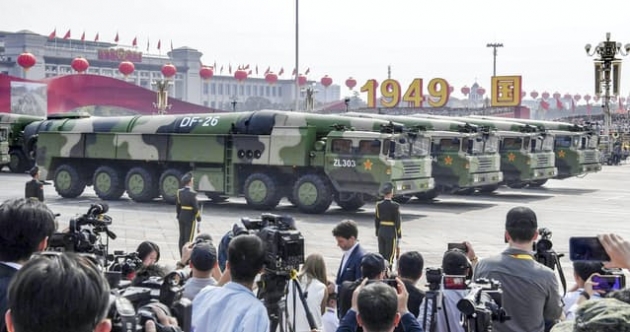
(517, 185)
(108, 183)
(261, 191)
(313, 194)
(402, 199)
(537, 183)
(349, 201)
(489, 189)
(141, 185)
(428, 195)
(68, 182)
(17, 161)
(170, 182)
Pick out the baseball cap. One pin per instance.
(203, 256)
(372, 264)
(455, 262)
(521, 217)
(603, 315)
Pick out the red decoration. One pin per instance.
(26, 60)
(301, 80)
(545, 95)
(556, 95)
(126, 68)
(577, 97)
(587, 98)
(240, 75)
(206, 73)
(351, 83)
(326, 81)
(465, 90)
(271, 78)
(168, 70)
(80, 64)
(481, 91)
(534, 94)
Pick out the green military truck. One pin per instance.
(311, 159)
(527, 155)
(18, 159)
(575, 147)
(464, 158)
(4, 145)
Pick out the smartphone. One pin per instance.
(609, 283)
(459, 245)
(390, 282)
(587, 249)
(454, 282)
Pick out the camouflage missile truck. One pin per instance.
(464, 158)
(264, 156)
(575, 147)
(526, 152)
(19, 160)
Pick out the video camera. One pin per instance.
(482, 305)
(132, 306)
(544, 253)
(284, 245)
(85, 234)
(125, 263)
(438, 280)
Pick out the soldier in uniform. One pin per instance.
(187, 209)
(388, 224)
(34, 188)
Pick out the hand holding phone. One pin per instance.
(608, 283)
(587, 249)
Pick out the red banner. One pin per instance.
(120, 54)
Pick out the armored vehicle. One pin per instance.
(16, 157)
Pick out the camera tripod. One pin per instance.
(436, 298)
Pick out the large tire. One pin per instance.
(489, 189)
(428, 195)
(313, 193)
(68, 181)
(402, 199)
(141, 185)
(538, 183)
(517, 185)
(351, 202)
(170, 182)
(261, 191)
(17, 161)
(108, 183)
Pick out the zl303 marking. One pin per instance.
(344, 163)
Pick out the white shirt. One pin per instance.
(346, 255)
(330, 322)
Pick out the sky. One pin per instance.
(543, 40)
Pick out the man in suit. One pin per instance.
(387, 225)
(346, 233)
(25, 226)
(35, 187)
(187, 208)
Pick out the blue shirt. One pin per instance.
(231, 308)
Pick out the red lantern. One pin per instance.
(326, 81)
(168, 70)
(481, 91)
(545, 95)
(577, 97)
(26, 60)
(80, 64)
(240, 75)
(556, 95)
(465, 90)
(271, 78)
(126, 68)
(351, 83)
(301, 80)
(587, 98)
(534, 94)
(206, 73)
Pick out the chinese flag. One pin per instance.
(281, 71)
(559, 104)
(147, 45)
(117, 38)
(256, 69)
(230, 69)
(221, 71)
(250, 72)
(171, 45)
(96, 37)
(159, 47)
(246, 67)
(67, 35)
(83, 36)
(308, 70)
(53, 34)
(294, 72)
(134, 43)
(268, 70)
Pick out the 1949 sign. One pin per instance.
(391, 92)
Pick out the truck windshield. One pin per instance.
(593, 142)
(563, 142)
(473, 145)
(4, 134)
(511, 144)
(547, 143)
(420, 147)
(491, 144)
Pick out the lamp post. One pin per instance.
(162, 104)
(494, 53)
(297, 58)
(604, 65)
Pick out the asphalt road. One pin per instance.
(573, 207)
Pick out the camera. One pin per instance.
(125, 263)
(389, 282)
(437, 280)
(284, 245)
(85, 234)
(543, 249)
(482, 305)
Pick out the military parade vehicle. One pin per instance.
(15, 157)
(311, 159)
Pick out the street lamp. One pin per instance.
(162, 104)
(604, 65)
(494, 53)
(297, 58)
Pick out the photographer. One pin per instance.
(410, 265)
(530, 289)
(582, 271)
(203, 260)
(373, 267)
(25, 226)
(234, 307)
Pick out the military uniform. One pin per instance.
(387, 223)
(187, 212)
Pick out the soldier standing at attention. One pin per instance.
(387, 223)
(34, 188)
(187, 211)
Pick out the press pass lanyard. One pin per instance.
(562, 280)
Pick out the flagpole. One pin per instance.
(297, 57)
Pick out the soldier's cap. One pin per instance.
(521, 217)
(203, 256)
(372, 264)
(33, 171)
(387, 188)
(601, 315)
(187, 178)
